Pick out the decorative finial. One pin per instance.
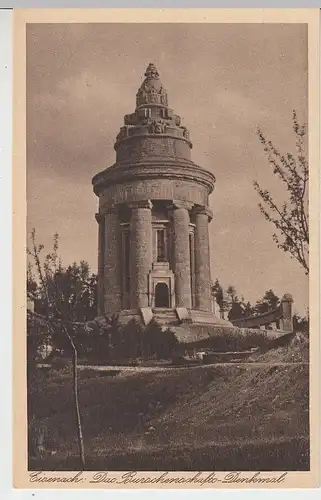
(151, 90)
(151, 71)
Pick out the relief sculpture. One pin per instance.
(185, 133)
(157, 127)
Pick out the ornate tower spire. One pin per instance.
(152, 117)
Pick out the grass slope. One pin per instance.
(232, 417)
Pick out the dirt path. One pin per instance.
(136, 369)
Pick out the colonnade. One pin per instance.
(141, 256)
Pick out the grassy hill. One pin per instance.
(243, 417)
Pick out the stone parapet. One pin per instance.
(281, 317)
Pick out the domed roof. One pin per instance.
(151, 90)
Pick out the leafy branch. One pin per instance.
(291, 219)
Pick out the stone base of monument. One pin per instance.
(208, 318)
(196, 329)
(189, 325)
(196, 333)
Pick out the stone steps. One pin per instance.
(165, 316)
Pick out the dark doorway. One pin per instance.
(161, 295)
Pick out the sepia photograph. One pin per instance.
(167, 247)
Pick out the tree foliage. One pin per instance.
(68, 293)
(248, 310)
(291, 219)
(217, 292)
(238, 308)
(231, 292)
(269, 302)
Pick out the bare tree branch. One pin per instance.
(52, 264)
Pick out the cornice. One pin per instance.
(172, 169)
(147, 136)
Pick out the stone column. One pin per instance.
(286, 322)
(100, 274)
(181, 253)
(141, 246)
(112, 262)
(202, 260)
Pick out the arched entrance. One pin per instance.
(161, 295)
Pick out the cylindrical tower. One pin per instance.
(153, 214)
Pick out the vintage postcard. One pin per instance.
(166, 248)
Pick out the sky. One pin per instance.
(224, 80)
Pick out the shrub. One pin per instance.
(158, 342)
(132, 340)
(233, 340)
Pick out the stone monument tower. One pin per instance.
(154, 257)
